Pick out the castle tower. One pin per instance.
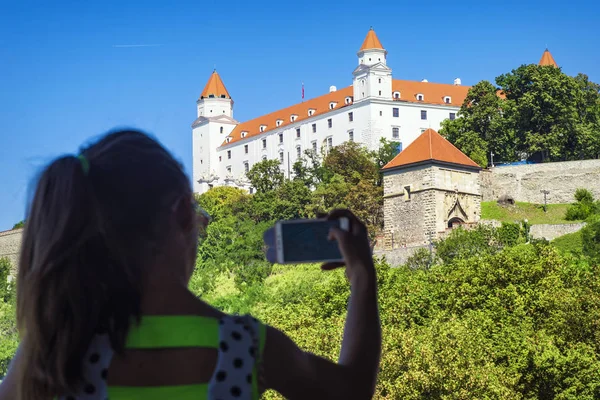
(547, 59)
(215, 99)
(428, 188)
(214, 123)
(372, 77)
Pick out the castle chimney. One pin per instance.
(457, 82)
(332, 89)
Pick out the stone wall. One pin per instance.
(552, 231)
(524, 182)
(10, 245)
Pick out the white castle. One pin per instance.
(375, 106)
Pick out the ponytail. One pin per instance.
(64, 284)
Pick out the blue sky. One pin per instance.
(64, 77)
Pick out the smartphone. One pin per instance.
(306, 241)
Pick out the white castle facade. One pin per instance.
(375, 106)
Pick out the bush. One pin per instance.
(584, 207)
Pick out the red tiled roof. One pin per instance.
(547, 59)
(215, 87)
(371, 41)
(433, 93)
(430, 146)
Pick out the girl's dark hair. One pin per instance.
(88, 234)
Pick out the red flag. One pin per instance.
(302, 90)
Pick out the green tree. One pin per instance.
(9, 337)
(385, 153)
(19, 224)
(265, 176)
(537, 112)
(353, 162)
(584, 206)
(481, 127)
(590, 236)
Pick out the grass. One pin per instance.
(534, 213)
(569, 243)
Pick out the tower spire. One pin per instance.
(547, 59)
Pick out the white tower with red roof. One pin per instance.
(209, 131)
(372, 77)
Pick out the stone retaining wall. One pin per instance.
(10, 245)
(525, 182)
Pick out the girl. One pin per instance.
(103, 305)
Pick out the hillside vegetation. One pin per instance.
(533, 213)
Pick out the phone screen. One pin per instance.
(308, 241)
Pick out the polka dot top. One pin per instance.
(239, 340)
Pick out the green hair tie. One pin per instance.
(85, 164)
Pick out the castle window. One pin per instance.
(396, 95)
(452, 116)
(245, 149)
(228, 139)
(369, 59)
(298, 151)
(332, 105)
(329, 123)
(228, 154)
(423, 114)
(362, 82)
(329, 142)
(264, 143)
(314, 145)
(314, 128)
(380, 92)
(447, 99)
(395, 132)
(201, 162)
(221, 130)
(229, 169)
(220, 159)
(298, 133)
(407, 193)
(348, 100)
(244, 133)
(281, 157)
(311, 111)
(380, 113)
(293, 117)
(350, 117)
(264, 158)
(351, 136)
(420, 97)
(395, 112)
(279, 122)
(246, 167)
(379, 80)
(262, 128)
(281, 138)
(251, 190)
(223, 96)
(211, 96)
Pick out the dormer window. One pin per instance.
(311, 112)
(244, 134)
(348, 100)
(263, 128)
(293, 117)
(447, 99)
(420, 97)
(211, 96)
(228, 139)
(279, 122)
(332, 105)
(223, 96)
(396, 95)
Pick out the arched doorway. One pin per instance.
(455, 222)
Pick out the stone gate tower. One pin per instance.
(429, 188)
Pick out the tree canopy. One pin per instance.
(535, 112)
